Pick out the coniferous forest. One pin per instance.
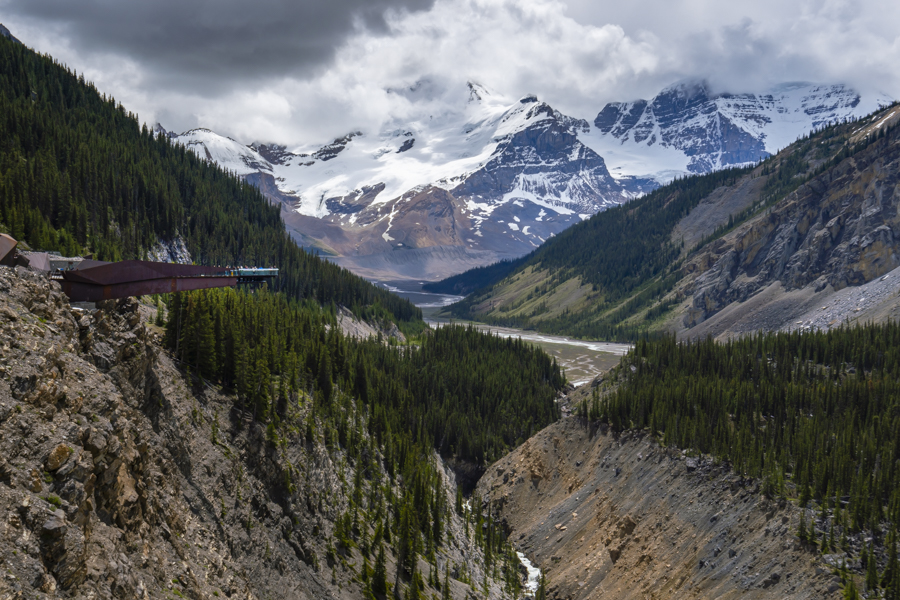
(79, 174)
(815, 416)
(469, 396)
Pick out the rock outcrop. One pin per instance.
(121, 476)
(621, 517)
(839, 229)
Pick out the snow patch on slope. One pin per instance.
(686, 129)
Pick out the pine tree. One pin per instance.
(379, 574)
(160, 317)
(445, 589)
(802, 532)
(205, 347)
(890, 580)
(407, 542)
(850, 591)
(871, 571)
(541, 593)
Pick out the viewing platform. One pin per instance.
(252, 274)
(87, 280)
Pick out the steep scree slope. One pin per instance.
(837, 230)
(624, 518)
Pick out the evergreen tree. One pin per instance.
(850, 591)
(445, 589)
(871, 571)
(890, 580)
(379, 574)
(541, 593)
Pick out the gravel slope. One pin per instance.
(620, 517)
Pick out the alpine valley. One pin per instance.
(314, 438)
(490, 178)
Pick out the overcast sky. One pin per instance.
(306, 71)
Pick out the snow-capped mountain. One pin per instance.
(489, 180)
(686, 128)
(462, 186)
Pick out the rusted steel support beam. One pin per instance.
(89, 292)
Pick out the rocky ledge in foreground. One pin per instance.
(121, 476)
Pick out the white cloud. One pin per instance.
(512, 47)
(576, 55)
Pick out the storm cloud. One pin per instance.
(305, 72)
(212, 45)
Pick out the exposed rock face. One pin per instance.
(686, 117)
(276, 154)
(356, 328)
(620, 517)
(839, 229)
(716, 130)
(123, 477)
(546, 160)
(330, 151)
(173, 251)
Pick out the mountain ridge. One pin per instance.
(517, 172)
(816, 217)
(715, 130)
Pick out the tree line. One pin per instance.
(814, 415)
(79, 174)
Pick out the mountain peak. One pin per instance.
(477, 92)
(681, 95)
(8, 34)
(158, 128)
(703, 131)
(688, 88)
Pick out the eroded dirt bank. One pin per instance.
(621, 517)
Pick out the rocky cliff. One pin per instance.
(838, 229)
(621, 517)
(122, 476)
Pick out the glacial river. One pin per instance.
(581, 359)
